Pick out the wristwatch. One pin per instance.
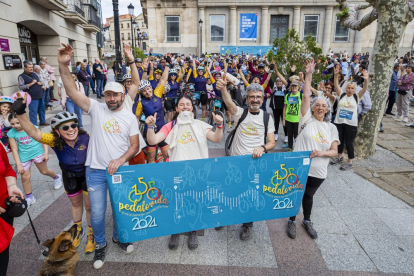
(264, 147)
(131, 62)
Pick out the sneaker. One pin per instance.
(405, 120)
(245, 233)
(286, 139)
(57, 182)
(346, 167)
(276, 137)
(410, 125)
(291, 229)
(30, 201)
(309, 229)
(174, 241)
(192, 240)
(286, 145)
(127, 247)
(78, 238)
(219, 228)
(397, 118)
(336, 160)
(99, 258)
(90, 244)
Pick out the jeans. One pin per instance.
(391, 101)
(86, 88)
(37, 107)
(91, 81)
(72, 107)
(99, 87)
(46, 97)
(97, 190)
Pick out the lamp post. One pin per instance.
(134, 42)
(201, 36)
(131, 14)
(139, 38)
(118, 54)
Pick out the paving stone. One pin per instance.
(342, 252)
(257, 226)
(340, 194)
(400, 221)
(327, 220)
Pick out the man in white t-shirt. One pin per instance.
(249, 137)
(114, 140)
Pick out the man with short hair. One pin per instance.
(98, 71)
(114, 140)
(250, 135)
(84, 77)
(29, 82)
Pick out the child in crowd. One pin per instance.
(25, 151)
(5, 107)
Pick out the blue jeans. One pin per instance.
(37, 107)
(99, 87)
(97, 190)
(46, 97)
(92, 84)
(86, 88)
(72, 107)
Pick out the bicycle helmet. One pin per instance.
(167, 87)
(177, 67)
(216, 74)
(173, 72)
(158, 71)
(126, 76)
(144, 84)
(261, 65)
(63, 117)
(138, 60)
(6, 99)
(200, 68)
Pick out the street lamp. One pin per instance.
(134, 25)
(139, 37)
(200, 23)
(131, 14)
(117, 41)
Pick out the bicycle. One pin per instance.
(233, 173)
(250, 201)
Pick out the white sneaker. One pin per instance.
(398, 118)
(58, 182)
(30, 201)
(405, 120)
(276, 137)
(410, 125)
(286, 139)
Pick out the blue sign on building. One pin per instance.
(248, 26)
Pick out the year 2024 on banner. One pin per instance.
(168, 198)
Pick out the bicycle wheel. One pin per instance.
(226, 145)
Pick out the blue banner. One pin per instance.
(161, 199)
(238, 50)
(248, 26)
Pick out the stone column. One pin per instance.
(296, 19)
(358, 36)
(204, 29)
(264, 34)
(327, 30)
(233, 26)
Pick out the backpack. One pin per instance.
(266, 117)
(288, 95)
(335, 106)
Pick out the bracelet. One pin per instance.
(151, 127)
(219, 126)
(264, 147)
(131, 62)
(11, 185)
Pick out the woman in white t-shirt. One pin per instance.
(346, 119)
(320, 136)
(187, 140)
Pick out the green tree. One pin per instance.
(139, 53)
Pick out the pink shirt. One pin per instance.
(166, 129)
(51, 71)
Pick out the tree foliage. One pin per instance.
(139, 53)
(290, 50)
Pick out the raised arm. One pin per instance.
(338, 89)
(164, 77)
(231, 106)
(281, 77)
(365, 87)
(269, 76)
(151, 71)
(152, 137)
(194, 69)
(64, 57)
(310, 67)
(145, 65)
(133, 90)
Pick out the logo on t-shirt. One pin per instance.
(25, 140)
(82, 147)
(346, 104)
(186, 138)
(251, 130)
(320, 138)
(112, 127)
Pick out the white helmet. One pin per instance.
(63, 117)
(126, 76)
(177, 67)
(167, 87)
(173, 71)
(144, 84)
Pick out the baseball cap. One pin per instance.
(114, 87)
(295, 82)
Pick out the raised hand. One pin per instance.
(337, 70)
(310, 66)
(145, 64)
(217, 119)
(365, 75)
(293, 68)
(128, 53)
(150, 121)
(221, 83)
(65, 54)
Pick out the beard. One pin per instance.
(113, 108)
(254, 107)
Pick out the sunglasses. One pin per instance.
(66, 128)
(129, 82)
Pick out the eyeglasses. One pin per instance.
(66, 128)
(255, 97)
(327, 87)
(128, 82)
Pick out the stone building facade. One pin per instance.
(174, 25)
(31, 29)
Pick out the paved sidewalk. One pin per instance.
(363, 230)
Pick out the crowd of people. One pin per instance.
(159, 100)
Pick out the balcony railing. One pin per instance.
(75, 6)
(94, 3)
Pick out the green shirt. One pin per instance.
(293, 103)
(27, 146)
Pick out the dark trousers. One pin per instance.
(292, 132)
(391, 101)
(4, 256)
(312, 185)
(278, 117)
(347, 135)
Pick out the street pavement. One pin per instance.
(362, 229)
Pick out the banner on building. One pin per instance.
(243, 50)
(248, 26)
(176, 197)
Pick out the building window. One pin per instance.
(143, 24)
(88, 52)
(127, 25)
(122, 36)
(129, 36)
(311, 26)
(122, 26)
(217, 28)
(341, 32)
(72, 62)
(172, 28)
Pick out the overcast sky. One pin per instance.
(107, 9)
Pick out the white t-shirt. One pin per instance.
(109, 134)
(316, 135)
(250, 133)
(347, 111)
